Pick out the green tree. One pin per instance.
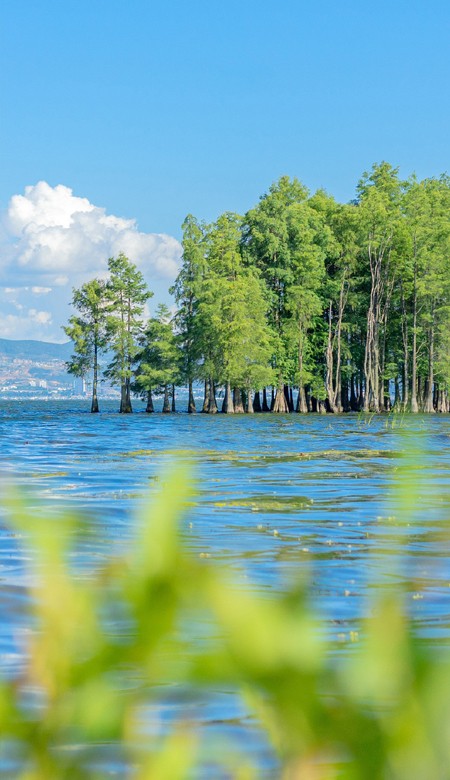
(88, 332)
(159, 359)
(127, 293)
(187, 291)
(379, 198)
(267, 245)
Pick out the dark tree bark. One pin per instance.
(191, 402)
(125, 398)
(149, 408)
(265, 406)
(166, 405)
(94, 404)
(256, 402)
(302, 406)
(237, 401)
(173, 399)
(212, 405)
(206, 397)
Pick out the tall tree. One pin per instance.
(187, 291)
(87, 330)
(158, 360)
(127, 294)
(267, 245)
(379, 219)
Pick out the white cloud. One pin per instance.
(40, 317)
(51, 238)
(26, 326)
(41, 290)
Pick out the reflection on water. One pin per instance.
(275, 493)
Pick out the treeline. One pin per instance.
(303, 304)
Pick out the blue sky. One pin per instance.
(151, 110)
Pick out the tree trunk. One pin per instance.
(173, 399)
(428, 406)
(228, 406)
(191, 402)
(94, 404)
(414, 401)
(212, 405)
(405, 368)
(237, 401)
(398, 402)
(387, 404)
(166, 406)
(249, 406)
(280, 404)
(149, 408)
(125, 400)
(265, 406)
(302, 406)
(206, 397)
(329, 373)
(256, 402)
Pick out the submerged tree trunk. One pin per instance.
(149, 408)
(280, 404)
(265, 406)
(166, 405)
(94, 403)
(302, 406)
(333, 373)
(249, 407)
(212, 405)
(237, 401)
(125, 398)
(173, 399)
(206, 397)
(256, 401)
(191, 401)
(228, 406)
(353, 395)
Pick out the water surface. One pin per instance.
(275, 492)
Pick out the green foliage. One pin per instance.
(88, 331)
(126, 293)
(159, 358)
(102, 646)
(342, 301)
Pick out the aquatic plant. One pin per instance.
(105, 646)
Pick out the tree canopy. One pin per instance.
(301, 304)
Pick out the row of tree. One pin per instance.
(303, 304)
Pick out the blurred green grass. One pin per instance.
(102, 646)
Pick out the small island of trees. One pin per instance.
(303, 304)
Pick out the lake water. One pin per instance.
(274, 493)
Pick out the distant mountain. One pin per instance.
(35, 350)
(41, 351)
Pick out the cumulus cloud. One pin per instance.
(52, 232)
(51, 238)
